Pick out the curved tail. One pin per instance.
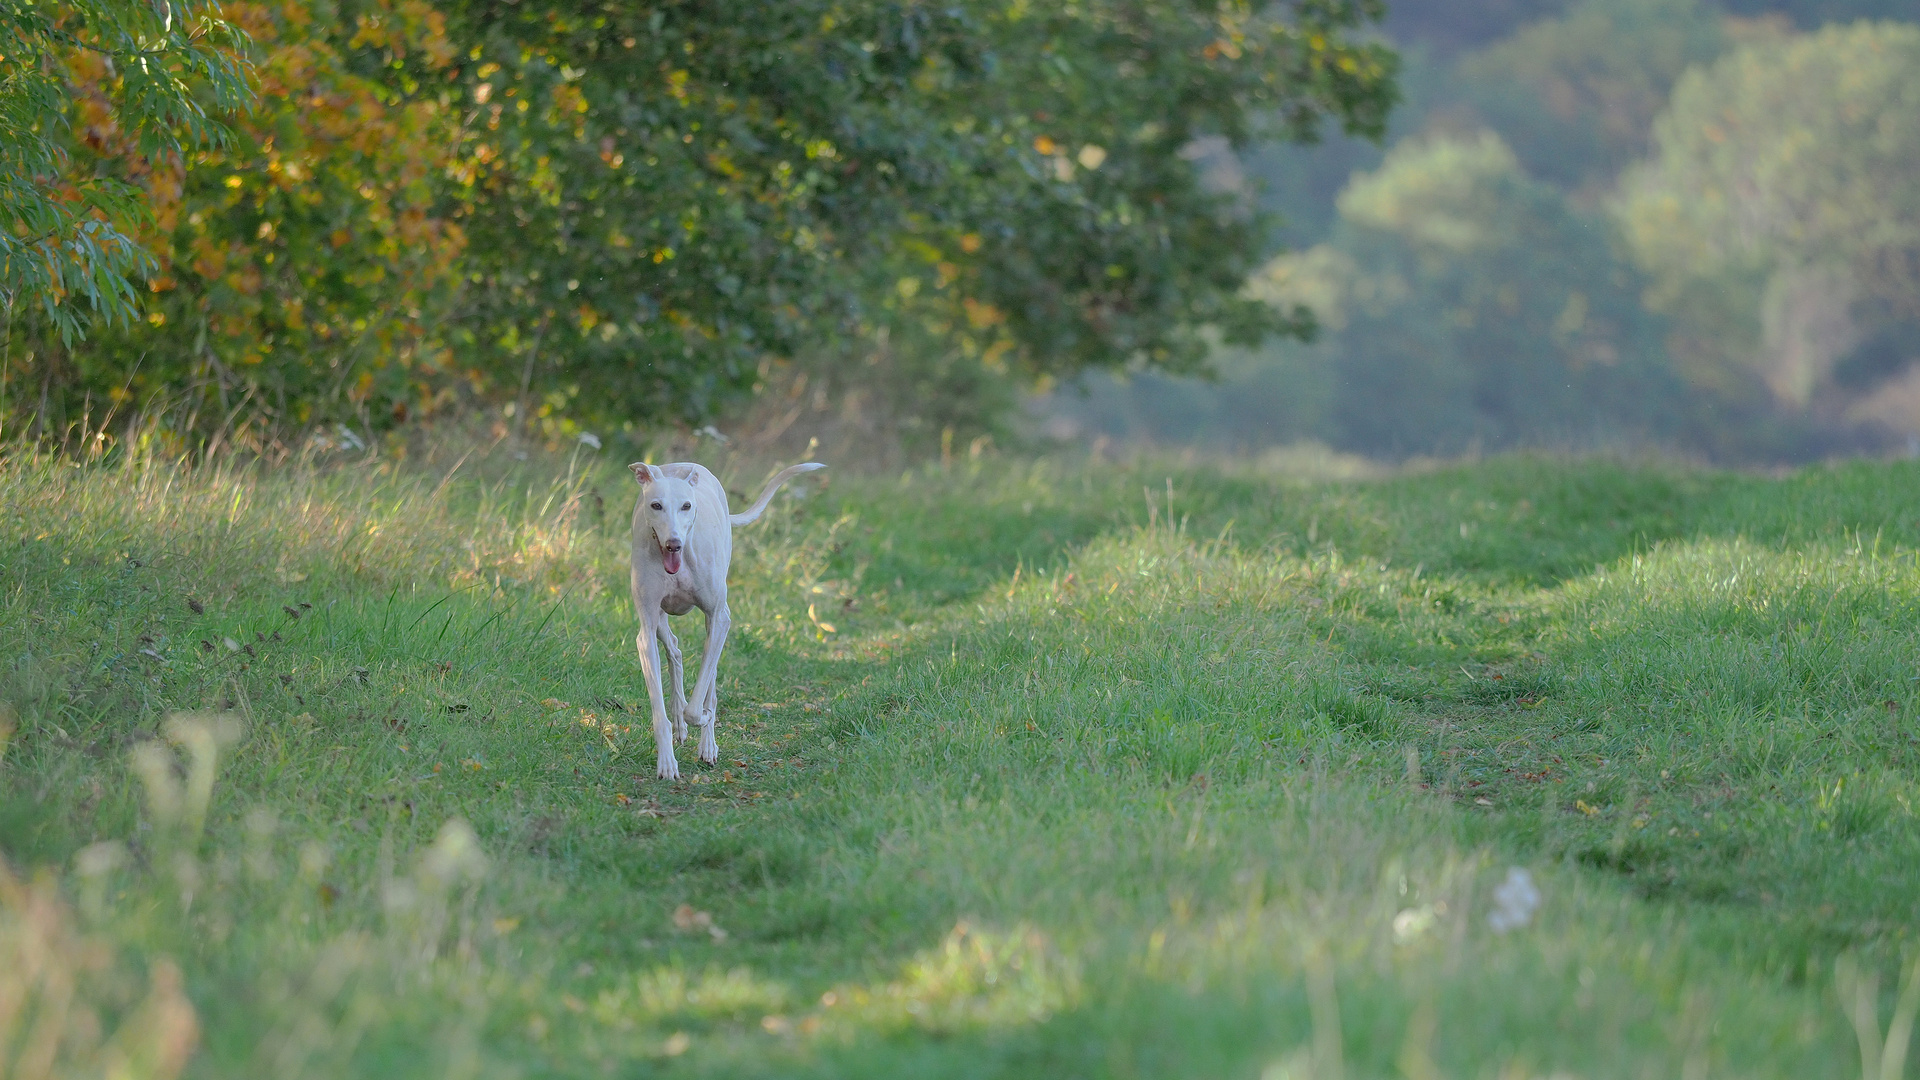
(752, 513)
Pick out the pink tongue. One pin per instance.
(672, 559)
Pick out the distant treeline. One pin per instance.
(1448, 26)
(1595, 223)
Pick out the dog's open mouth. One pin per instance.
(671, 557)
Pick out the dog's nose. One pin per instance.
(673, 545)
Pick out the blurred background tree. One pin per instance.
(1728, 195)
(1780, 218)
(1575, 94)
(1466, 305)
(1483, 310)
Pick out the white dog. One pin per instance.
(682, 543)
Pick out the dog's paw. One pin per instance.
(679, 731)
(709, 748)
(669, 768)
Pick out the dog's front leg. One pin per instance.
(705, 690)
(647, 643)
(676, 675)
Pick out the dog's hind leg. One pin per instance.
(706, 690)
(669, 769)
(677, 676)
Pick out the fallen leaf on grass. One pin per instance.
(825, 627)
(687, 919)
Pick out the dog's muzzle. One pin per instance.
(670, 556)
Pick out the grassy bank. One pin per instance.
(1028, 768)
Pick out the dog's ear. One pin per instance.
(645, 473)
(693, 478)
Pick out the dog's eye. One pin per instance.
(686, 506)
(657, 506)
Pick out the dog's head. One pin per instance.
(666, 505)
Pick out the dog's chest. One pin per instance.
(679, 597)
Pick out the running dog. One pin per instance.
(682, 544)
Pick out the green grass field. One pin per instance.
(1028, 768)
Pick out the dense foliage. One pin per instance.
(154, 69)
(1684, 220)
(303, 264)
(664, 199)
(623, 213)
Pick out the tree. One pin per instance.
(306, 265)
(1575, 96)
(630, 214)
(1453, 25)
(65, 245)
(1779, 217)
(1467, 304)
(1812, 14)
(302, 269)
(664, 198)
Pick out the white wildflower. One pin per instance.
(1514, 902)
(1410, 924)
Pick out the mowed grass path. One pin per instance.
(1028, 768)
